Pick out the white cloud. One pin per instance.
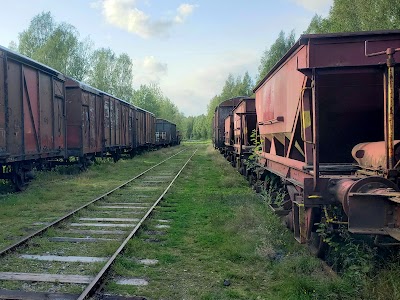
(124, 14)
(149, 70)
(191, 92)
(184, 10)
(317, 6)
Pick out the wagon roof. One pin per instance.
(305, 38)
(29, 61)
(231, 102)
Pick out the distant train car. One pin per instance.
(221, 112)
(85, 121)
(178, 137)
(165, 133)
(47, 118)
(245, 124)
(239, 126)
(32, 116)
(145, 129)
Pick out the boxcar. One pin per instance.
(324, 106)
(165, 133)
(85, 120)
(32, 115)
(244, 125)
(221, 112)
(118, 135)
(228, 138)
(145, 129)
(239, 126)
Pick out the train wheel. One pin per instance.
(116, 156)
(317, 245)
(19, 181)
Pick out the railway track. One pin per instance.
(71, 258)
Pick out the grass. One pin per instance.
(223, 241)
(53, 194)
(222, 232)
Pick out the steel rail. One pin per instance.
(91, 288)
(24, 240)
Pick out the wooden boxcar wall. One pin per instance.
(32, 110)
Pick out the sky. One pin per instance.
(186, 47)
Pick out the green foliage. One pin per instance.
(111, 73)
(274, 53)
(56, 45)
(234, 87)
(358, 15)
(352, 257)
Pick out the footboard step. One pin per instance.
(80, 279)
(82, 259)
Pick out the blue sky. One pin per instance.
(187, 47)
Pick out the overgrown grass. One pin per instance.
(54, 193)
(223, 241)
(221, 232)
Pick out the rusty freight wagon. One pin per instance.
(32, 116)
(244, 125)
(165, 133)
(328, 116)
(229, 138)
(221, 112)
(85, 121)
(118, 135)
(145, 129)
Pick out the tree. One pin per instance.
(358, 15)
(273, 54)
(111, 73)
(56, 45)
(148, 97)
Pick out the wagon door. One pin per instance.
(85, 123)
(14, 130)
(107, 122)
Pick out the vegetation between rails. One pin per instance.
(223, 241)
(53, 194)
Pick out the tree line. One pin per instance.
(60, 46)
(344, 16)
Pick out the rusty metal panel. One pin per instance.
(221, 112)
(85, 119)
(107, 121)
(118, 122)
(276, 100)
(244, 124)
(46, 112)
(14, 110)
(125, 132)
(228, 131)
(3, 145)
(32, 110)
(165, 132)
(59, 115)
(74, 121)
(349, 50)
(140, 127)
